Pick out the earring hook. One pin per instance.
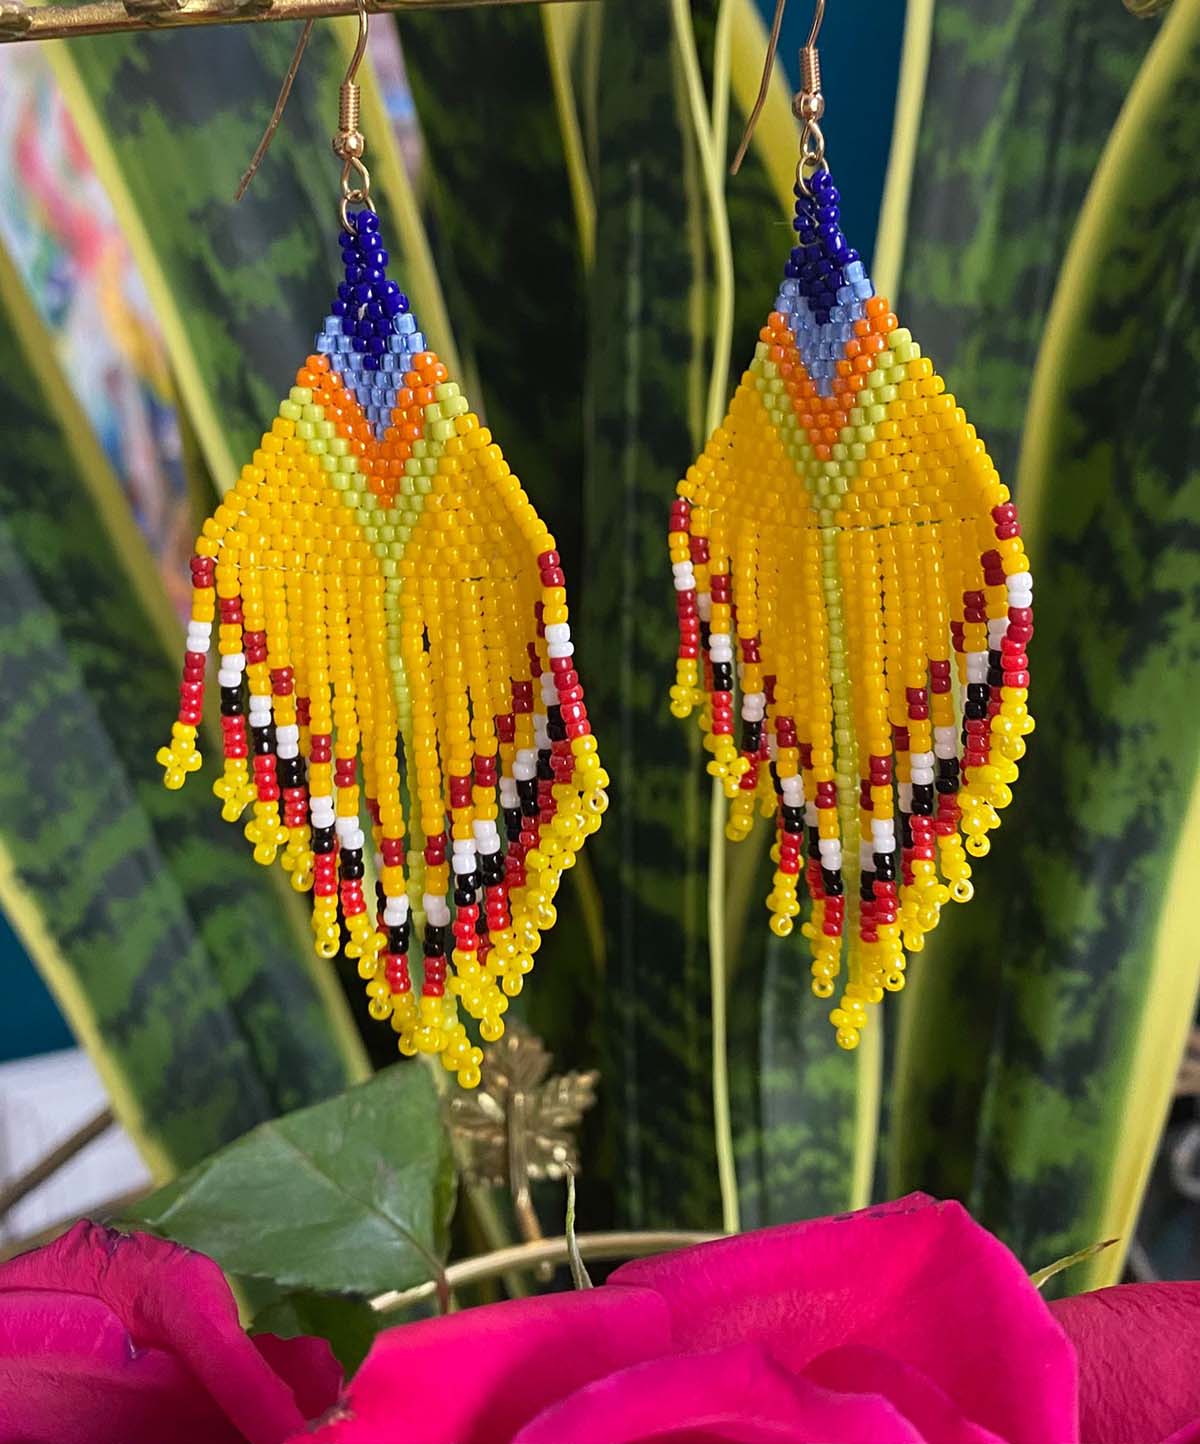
(349, 144)
(808, 104)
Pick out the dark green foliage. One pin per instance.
(1019, 100)
(352, 1196)
(505, 240)
(165, 937)
(1019, 1033)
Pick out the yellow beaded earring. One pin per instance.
(394, 607)
(846, 533)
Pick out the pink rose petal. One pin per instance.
(918, 1280)
(1139, 1362)
(477, 1376)
(932, 1413)
(735, 1396)
(162, 1300)
(70, 1374)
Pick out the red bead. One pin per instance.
(549, 559)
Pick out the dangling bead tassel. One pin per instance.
(396, 611)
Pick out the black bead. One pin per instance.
(263, 740)
(977, 692)
(814, 842)
(906, 833)
(231, 702)
(351, 864)
(793, 818)
(722, 676)
(866, 887)
(527, 791)
(752, 736)
(291, 771)
(831, 880)
(398, 938)
(324, 839)
(464, 897)
(923, 799)
(975, 711)
(885, 866)
(544, 771)
(512, 823)
(435, 941)
(491, 864)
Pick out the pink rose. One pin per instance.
(904, 1324)
(109, 1338)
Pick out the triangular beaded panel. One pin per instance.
(396, 611)
(848, 567)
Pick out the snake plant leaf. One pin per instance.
(499, 194)
(1018, 99)
(238, 287)
(1040, 1045)
(351, 1196)
(175, 963)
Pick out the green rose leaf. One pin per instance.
(352, 1196)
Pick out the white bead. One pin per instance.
(754, 706)
(288, 734)
(682, 569)
(810, 814)
(685, 583)
(463, 863)
(883, 830)
(561, 649)
(945, 741)
(395, 911)
(921, 759)
(922, 776)
(793, 791)
(287, 749)
(1019, 582)
(558, 632)
(462, 844)
(540, 735)
(904, 796)
(1020, 599)
(437, 914)
(200, 630)
(704, 605)
(235, 661)
(549, 690)
(525, 766)
(866, 857)
(508, 793)
(198, 644)
(720, 649)
(828, 845)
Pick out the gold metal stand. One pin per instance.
(109, 17)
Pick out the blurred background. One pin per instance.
(1021, 177)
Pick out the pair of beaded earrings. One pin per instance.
(387, 596)
(845, 543)
(845, 560)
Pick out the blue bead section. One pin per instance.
(370, 334)
(826, 286)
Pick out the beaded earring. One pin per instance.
(845, 541)
(395, 608)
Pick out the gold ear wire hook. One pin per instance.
(349, 143)
(808, 104)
